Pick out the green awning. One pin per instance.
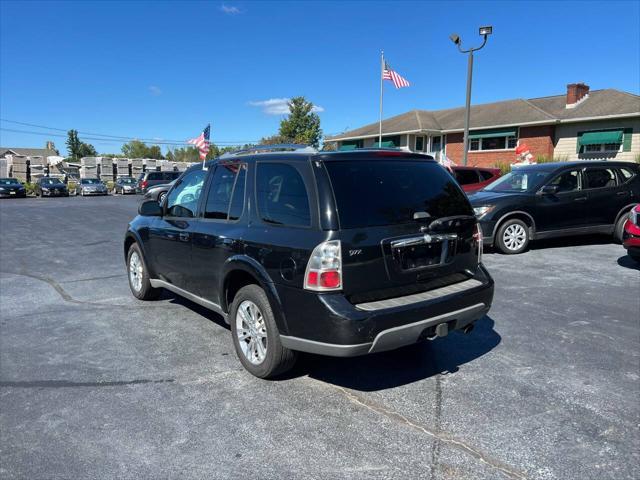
(598, 138)
(492, 133)
(344, 148)
(388, 144)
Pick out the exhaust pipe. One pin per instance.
(468, 329)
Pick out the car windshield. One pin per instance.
(90, 181)
(519, 180)
(388, 192)
(8, 181)
(127, 181)
(49, 181)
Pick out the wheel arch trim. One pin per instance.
(513, 213)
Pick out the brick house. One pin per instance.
(582, 124)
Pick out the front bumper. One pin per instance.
(331, 325)
(16, 194)
(93, 192)
(631, 238)
(55, 193)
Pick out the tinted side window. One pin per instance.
(567, 181)
(220, 191)
(600, 177)
(465, 177)
(154, 176)
(625, 173)
(281, 195)
(485, 174)
(183, 198)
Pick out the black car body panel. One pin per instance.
(405, 268)
(581, 209)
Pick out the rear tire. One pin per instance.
(618, 231)
(138, 275)
(512, 237)
(255, 335)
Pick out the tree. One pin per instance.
(302, 125)
(138, 149)
(78, 149)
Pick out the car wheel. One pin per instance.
(255, 334)
(512, 237)
(161, 197)
(139, 276)
(619, 230)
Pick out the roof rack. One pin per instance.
(281, 147)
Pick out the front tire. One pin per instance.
(512, 237)
(161, 197)
(138, 275)
(255, 334)
(618, 231)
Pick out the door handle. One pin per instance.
(184, 237)
(580, 199)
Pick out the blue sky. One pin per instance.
(165, 69)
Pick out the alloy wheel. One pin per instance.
(251, 330)
(514, 237)
(135, 271)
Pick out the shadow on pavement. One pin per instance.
(577, 241)
(194, 307)
(405, 365)
(628, 262)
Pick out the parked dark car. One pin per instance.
(631, 234)
(149, 179)
(91, 186)
(472, 179)
(125, 185)
(158, 192)
(556, 199)
(341, 254)
(50, 187)
(11, 188)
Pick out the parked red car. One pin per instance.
(472, 179)
(631, 234)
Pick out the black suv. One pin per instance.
(556, 199)
(149, 179)
(341, 254)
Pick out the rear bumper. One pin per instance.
(330, 325)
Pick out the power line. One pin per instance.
(114, 137)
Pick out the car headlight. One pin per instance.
(45, 189)
(2, 189)
(482, 211)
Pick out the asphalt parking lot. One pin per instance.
(95, 384)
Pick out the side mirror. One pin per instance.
(150, 208)
(549, 190)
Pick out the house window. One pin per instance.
(419, 144)
(496, 139)
(603, 141)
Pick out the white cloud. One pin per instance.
(279, 106)
(230, 10)
(155, 91)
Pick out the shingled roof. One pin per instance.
(27, 152)
(546, 110)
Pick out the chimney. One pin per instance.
(576, 93)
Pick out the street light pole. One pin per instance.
(485, 32)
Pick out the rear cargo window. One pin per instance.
(380, 192)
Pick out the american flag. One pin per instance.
(398, 81)
(202, 142)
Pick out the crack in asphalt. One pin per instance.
(68, 298)
(437, 435)
(69, 384)
(95, 278)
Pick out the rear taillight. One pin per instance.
(324, 270)
(143, 184)
(478, 240)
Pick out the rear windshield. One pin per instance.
(388, 192)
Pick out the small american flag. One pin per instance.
(202, 142)
(398, 81)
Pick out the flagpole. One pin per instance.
(381, 96)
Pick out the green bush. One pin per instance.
(548, 159)
(503, 166)
(637, 158)
(30, 188)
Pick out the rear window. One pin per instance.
(282, 196)
(485, 175)
(154, 176)
(380, 192)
